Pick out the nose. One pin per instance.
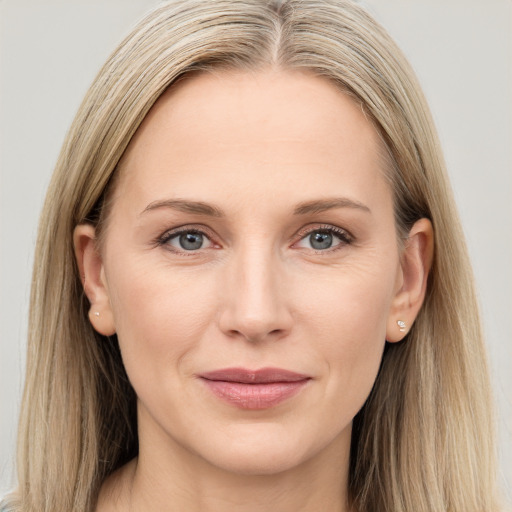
(254, 303)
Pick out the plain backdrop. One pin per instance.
(461, 50)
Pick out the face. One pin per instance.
(251, 269)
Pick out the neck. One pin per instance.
(176, 479)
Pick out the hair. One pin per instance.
(423, 441)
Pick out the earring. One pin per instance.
(96, 313)
(401, 325)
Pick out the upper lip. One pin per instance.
(260, 376)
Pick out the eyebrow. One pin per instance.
(197, 207)
(323, 205)
(305, 208)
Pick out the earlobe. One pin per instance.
(90, 266)
(415, 263)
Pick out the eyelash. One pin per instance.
(169, 235)
(343, 235)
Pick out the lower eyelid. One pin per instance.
(335, 245)
(205, 238)
(164, 241)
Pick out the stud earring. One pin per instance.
(96, 313)
(401, 325)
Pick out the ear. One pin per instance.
(92, 274)
(415, 263)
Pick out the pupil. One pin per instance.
(321, 240)
(191, 241)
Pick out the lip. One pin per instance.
(254, 389)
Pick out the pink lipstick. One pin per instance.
(254, 389)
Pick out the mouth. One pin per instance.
(254, 389)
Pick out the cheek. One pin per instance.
(351, 342)
(159, 315)
(354, 300)
(347, 315)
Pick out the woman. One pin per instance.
(250, 203)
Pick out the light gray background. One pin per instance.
(461, 50)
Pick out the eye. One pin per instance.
(324, 239)
(187, 240)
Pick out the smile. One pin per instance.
(254, 389)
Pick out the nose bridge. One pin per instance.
(255, 303)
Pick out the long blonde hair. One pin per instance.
(424, 439)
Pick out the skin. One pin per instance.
(255, 147)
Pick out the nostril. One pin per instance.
(256, 335)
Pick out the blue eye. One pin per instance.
(324, 239)
(188, 240)
(320, 241)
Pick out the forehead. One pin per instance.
(251, 128)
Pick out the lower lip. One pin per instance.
(254, 396)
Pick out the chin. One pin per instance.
(265, 451)
(260, 462)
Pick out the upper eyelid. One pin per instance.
(345, 239)
(163, 240)
(187, 228)
(303, 232)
